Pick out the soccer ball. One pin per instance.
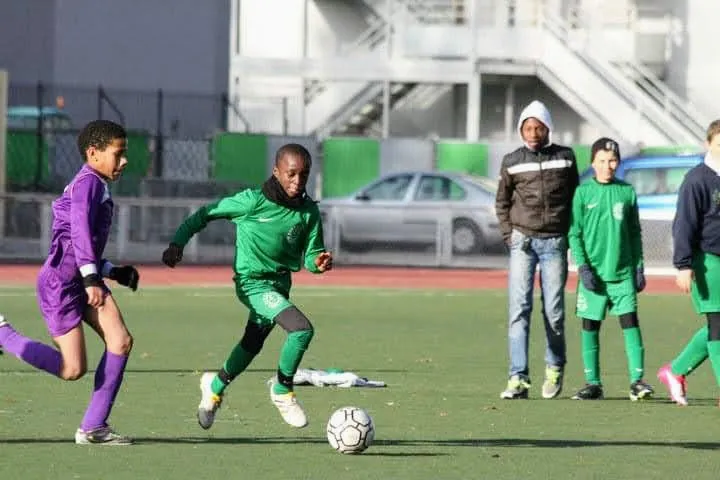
(350, 430)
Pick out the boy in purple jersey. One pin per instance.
(70, 287)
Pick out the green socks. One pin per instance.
(633, 348)
(591, 356)
(290, 356)
(714, 351)
(235, 364)
(635, 353)
(694, 353)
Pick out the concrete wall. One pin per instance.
(694, 70)
(179, 46)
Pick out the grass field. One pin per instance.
(443, 355)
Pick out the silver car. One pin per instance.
(411, 208)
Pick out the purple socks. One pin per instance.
(108, 378)
(31, 351)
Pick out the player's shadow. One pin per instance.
(546, 443)
(466, 442)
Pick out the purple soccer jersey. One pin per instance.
(82, 217)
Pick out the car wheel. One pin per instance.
(466, 237)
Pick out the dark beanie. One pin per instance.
(607, 144)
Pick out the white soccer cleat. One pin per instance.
(3, 322)
(101, 436)
(289, 407)
(209, 401)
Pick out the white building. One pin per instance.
(642, 70)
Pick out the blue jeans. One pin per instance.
(526, 254)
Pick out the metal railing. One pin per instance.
(142, 228)
(667, 112)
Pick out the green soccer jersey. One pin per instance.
(605, 229)
(271, 240)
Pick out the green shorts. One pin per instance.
(617, 297)
(264, 298)
(705, 291)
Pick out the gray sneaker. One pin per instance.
(101, 436)
(552, 386)
(517, 387)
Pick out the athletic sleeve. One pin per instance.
(635, 231)
(503, 201)
(686, 225)
(315, 244)
(227, 208)
(575, 235)
(85, 197)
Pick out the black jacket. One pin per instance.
(535, 191)
(696, 226)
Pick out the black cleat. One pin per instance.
(640, 391)
(589, 392)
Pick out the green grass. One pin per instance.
(443, 355)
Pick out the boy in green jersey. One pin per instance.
(605, 240)
(278, 229)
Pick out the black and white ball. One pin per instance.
(350, 430)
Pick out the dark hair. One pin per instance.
(99, 134)
(293, 149)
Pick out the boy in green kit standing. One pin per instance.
(606, 244)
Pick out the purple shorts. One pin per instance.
(62, 302)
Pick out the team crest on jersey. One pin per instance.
(272, 300)
(581, 302)
(293, 235)
(618, 211)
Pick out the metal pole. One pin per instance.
(158, 167)
(303, 80)
(472, 121)
(509, 111)
(39, 143)
(386, 110)
(285, 115)
(4, 80)
(472, 126)
(386, 82)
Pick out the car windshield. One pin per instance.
(657, 180)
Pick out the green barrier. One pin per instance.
(470, 158)
(21, 154)
(348, 164)
(239, 157)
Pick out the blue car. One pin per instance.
(656, 180)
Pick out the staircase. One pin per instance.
(625, 98)
(356, 107)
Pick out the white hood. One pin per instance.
(536, 109)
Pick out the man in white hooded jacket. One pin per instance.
(533, 204)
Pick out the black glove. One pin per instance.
(172, 255)
(127, 276)
(640, 282)
(92, 280)
(588, 278)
